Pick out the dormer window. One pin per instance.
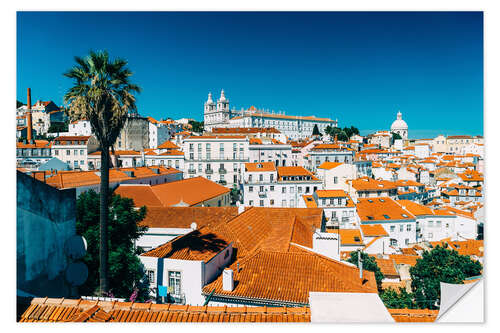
(404, 215)
(386, 216)
(369, 217)
(369, 200)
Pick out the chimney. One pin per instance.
(227, 280)
(241, 208)
(29, 121)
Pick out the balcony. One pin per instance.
(209, 171)
(345, 219)
(262, 194)
(222, 182)
(192, 171)
(222, 171)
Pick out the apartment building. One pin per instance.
(266, 185)
(398, 222)
(74, 150)
(270, 150)
(339, 209)
(217, 158)
(326, 152)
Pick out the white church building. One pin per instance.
(295, 127)
(399, 126)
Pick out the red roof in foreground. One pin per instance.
(78, 310)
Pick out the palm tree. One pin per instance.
(102, 94)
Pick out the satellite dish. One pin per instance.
(194, 226)
(75, 247)
(76, 273)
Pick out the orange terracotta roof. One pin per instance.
(381, 209)
(72, 310)
(172, 152)
(369, 184)
(309, 201)
(413, 315)
(373, 230)
(72, 138)
(255, 141)
(329, 165)
(331, 193)
(182, 217)
(415, 208)
(168, 145)
(260, 167)
(36, 144)
(170, 194)
(348, 236)
(281, 277)
(387, 267)
(400, 259)
(288, 171)
(199, 245)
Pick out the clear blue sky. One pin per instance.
(357, 67)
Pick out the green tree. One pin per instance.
(439, 265)
(369, 264)
(57, 127)
(397, 300)
(196, 126)
(103, 94)
(18, 104)
(396, 136)
(126, 272)
(316, 130)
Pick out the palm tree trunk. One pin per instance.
(103, 222)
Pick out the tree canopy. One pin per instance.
(401, 299)
(125, 269)
(396, 136)
(439, 265)
(196, 126)
(369, 264)
(316, 130)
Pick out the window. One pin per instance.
(250, 202)
(56, 152)
(81, 162)
(430, 224)
(408, 227)
(261, 177)
(271, 202)
(447, 225)
(292, 202)
(430, 235)
(283, 189)
(151, 276)
(407, 241)
(394, 242)
(283, 203)
(68, 152)
(174, 282)
(250, 188)
(81, 151)
(438, 224)
(299, 190)
(393, 228)
(261, 203)
(271, 188)
(291, 189)
(335, 180)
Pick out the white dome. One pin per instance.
(399, 123)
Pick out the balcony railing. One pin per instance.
(345, 219)
(209, 171)
(191, 171)
(262, 194)
(222, 171)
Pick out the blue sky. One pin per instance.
(357, 67)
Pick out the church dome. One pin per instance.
(399, 123)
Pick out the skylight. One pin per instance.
(386, 216)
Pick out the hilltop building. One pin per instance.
(296, 127)
(399, 126)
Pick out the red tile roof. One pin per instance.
(260, 167)
(414, 315)
(69, 310)
(191, 191)
(374, 209)
(373, 230)
(183, 217)
(288, 277)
